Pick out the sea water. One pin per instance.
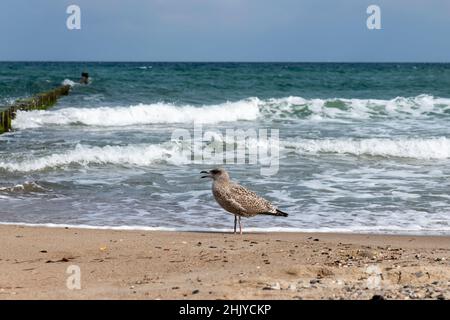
(362, 147)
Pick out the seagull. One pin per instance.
(238, 200)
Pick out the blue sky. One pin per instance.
(225, 30)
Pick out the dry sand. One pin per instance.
(188, 265)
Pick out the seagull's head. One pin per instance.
(216, 174)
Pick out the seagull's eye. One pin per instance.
(214, 171)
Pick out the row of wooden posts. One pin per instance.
(40, 101)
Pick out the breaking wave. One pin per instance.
(179, 153)
(158, 113)
(138, 155)
(317, 109)
(26, 187)
(250, 109)
(432, 148)
(69, 82)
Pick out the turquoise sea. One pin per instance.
(362, 147)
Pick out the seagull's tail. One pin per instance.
(281, 213)
(277, 213)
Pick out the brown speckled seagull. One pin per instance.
(238, 200)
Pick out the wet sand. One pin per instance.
(192, 265)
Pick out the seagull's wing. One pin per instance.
(236, 205)
(249, 201)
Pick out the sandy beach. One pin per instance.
(190, 265)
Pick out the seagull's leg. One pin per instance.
(235, 222)
(240, 227)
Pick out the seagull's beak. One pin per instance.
(208, 175)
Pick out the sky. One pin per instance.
(225, 30)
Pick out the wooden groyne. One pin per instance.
(40, 101)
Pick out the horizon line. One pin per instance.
(222, 61)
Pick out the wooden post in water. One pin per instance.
(40, 101)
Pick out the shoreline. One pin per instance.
(250, 230)
(137, 264)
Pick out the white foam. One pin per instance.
(418, 106)
(141, 114)
(27, 186)
(69, 82)
(179, 153)
(174, 152)
(351, 229)
(140, 155)
(431, 148)
(247, 109)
